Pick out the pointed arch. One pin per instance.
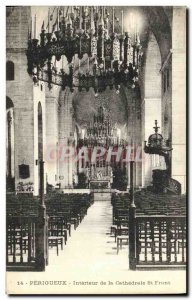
(9, 103)
(152, 69)
(10, 71)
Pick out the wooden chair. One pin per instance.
(121, 240)
(121, 230)
(55, 241)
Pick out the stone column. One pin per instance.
(179, 96)
(51, 138)
(66, 134)
(151, 105)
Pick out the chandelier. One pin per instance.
(112, 57)
(101, 131)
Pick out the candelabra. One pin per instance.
(112, 58)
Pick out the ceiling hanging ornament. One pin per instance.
(112, 58)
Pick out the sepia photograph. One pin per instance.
(96, 180)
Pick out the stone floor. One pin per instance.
(91, 249)
(89, 264)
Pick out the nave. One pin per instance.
(90, 256)
(85, 171)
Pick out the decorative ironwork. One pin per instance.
(112, 57)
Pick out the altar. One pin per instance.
(101, 189)
(100, 177)
(100, 132)
(100, 184)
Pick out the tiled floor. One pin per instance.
(91, 256)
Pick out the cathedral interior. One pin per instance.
(96, 133)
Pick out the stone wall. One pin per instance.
(25, 97)
(179, 96)
(20, 90)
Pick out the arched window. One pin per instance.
(10, 70)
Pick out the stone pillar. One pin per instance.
(20, 91)
(133, 129)
(179, 96)
(151, 105)
(51, 151)
(66, 135)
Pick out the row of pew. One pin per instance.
(63, 211)
(147, 204)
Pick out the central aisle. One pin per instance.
(91, 251)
